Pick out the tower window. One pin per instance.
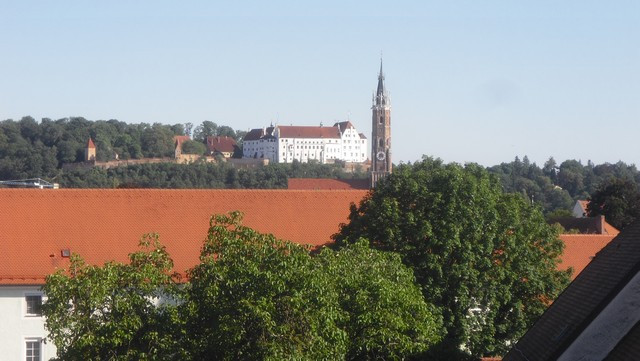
(381, 121)
(381, 143)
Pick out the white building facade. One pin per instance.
(284, 144)
(22, 324)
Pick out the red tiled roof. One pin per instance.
(35, 225)
(327, 184)
(295, 131)
(611, 230)
(362, 136)
(90, 144)
(179, 139)
(221, 144)
(580, 249)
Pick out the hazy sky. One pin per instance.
(470, 81)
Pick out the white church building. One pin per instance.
(284, 144)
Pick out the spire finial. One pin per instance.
(380, 75)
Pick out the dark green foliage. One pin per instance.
(195, 175)
(558, 187)
(387, 317)
(618, 200)
(193, 147)
(257, 298)
(486, 258)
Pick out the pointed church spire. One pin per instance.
(381, 97)
(380, 92)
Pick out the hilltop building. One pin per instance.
(90, 151)
(284, 144)
(222, 145)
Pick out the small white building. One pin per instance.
(284, 144)
(22, 331)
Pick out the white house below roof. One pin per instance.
(22, 335)
(284, 144)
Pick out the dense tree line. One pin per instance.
(30, 149)
(557, 187)
(197, 175)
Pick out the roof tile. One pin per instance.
(31, 238)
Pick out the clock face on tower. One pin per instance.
(380, 156)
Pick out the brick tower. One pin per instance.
(380, 132)
(90, 152)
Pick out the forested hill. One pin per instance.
(30, 149)
(557, 186)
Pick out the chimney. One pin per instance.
(600, 224)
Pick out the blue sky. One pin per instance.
(470, 81)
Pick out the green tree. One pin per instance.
(193, 147)
(251, 297)
(115, 311)
(204, 130)
(618, 200)
(486, 258)
(254, 297)
(386, 316)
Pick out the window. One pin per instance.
(33, 349)
(34, 305)
(381, 120)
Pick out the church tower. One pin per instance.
(380, 132)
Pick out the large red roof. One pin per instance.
(580, 249)
(327, 183)
(221, 144)
(106, 224)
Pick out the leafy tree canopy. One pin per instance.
(193, 147)
(618, 200)
(252, 297)
(486, 258)
(112, 312)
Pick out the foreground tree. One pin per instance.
(386, 315)
(115, 312)
(618, 199)
(252, 297)
(256, 297)
(486, 258)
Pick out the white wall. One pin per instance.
(349, 148)
(16, 327)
